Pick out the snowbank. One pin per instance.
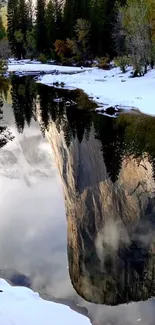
(112, 88)
(38, 67)
(108, 88)
(22, 306)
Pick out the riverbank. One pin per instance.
(112, 88)
(106, 87)
(20, 305)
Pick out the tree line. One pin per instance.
(81, 30)
(34, 30)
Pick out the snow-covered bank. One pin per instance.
(106, 87)
(22, 306)
(38, 67)
(112, 87)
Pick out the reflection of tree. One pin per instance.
(139, 136)
(44, 102)
(23, 100)
(80, 121)
(5, 134)
(112, 140)
(127, 135)
(71, 120)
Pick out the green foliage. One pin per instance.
(18, 24)
(2, 29)
(86, 28)
(50, 26)
(74, 10)
(82, 31)
(19, 36)
(42, 58)
(4, 50)
(138, 26)
(41, 35)
(3, 66)
(80, 46)
(122, 62)
(31, 44)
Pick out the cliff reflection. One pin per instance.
(107, 168)
(128, 135)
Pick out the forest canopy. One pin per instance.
(80, 31)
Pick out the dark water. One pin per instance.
(100, 253)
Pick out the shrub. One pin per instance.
(104, 63)
(61, 48)
(3, 66)
(122, 62)
(42, 58)
(66, 61)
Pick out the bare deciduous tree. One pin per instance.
(134, 29)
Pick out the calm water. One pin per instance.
(77, 203)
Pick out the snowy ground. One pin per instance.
(22, 306)
(22, 66)
(112, 88)
(106, 87)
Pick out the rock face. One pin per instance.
(111, 226)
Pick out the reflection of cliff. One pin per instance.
(105, 165)
(110, 226)
(128, 135)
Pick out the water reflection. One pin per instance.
(5, 134)
(107, 167)
(23, 101)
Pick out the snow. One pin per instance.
(22, 66)
(22, 306)
(106, 87)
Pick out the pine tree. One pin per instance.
(41, 33)
(73, 10)
(23, 24)
(30, 13)
(50, 25)
(102, 15)
(82, 9)
(12, 16)
(69, 18)
(17, 13)
(59, 27)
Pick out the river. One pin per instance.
(77, 203)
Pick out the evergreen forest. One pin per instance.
(80, 32)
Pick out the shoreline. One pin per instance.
(106, 87)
